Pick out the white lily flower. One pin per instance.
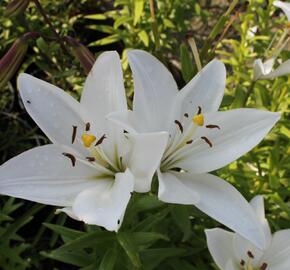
(265, 70)
(201, 139)
(92, 167)
(230, 251)
(284, 6)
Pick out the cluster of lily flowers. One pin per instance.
(101, 152)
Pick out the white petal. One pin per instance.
(147, 151)
(283, 69)
(104, 90)
(240, 130)
(105, 204)
(257, 204)
(174, 190)
(231, 265)
(258, 68)
(221, 201)
(154, 90)
(45, 175)
(220, 245)
(284, 6)
(53, 110)
(206, 90)
(125, 120)
(278, 254)
(241, 247)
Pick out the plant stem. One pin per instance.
(250, 91)
(47, 20)
(154, 24)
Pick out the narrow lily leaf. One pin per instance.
(187, 67)
(67, 234)
(87, 240)
(104, 41)
(77, 258)
(127, 243)
(145, 239)
(153, 257)
(109, 260)
(138, 10)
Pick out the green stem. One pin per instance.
(249, 92)
(154, 24)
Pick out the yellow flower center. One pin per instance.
(88, 139)
(198, 119)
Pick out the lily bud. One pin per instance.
(82, 53)
(16, 7)
(11, 61)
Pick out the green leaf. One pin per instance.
(138, 10)
(144, 37)
(180, 216)
(109, 259)
(127, 243)
(66, 233)
(95, 17)
(104, 41)
(147, 238)
(187, 66)
(153, 257)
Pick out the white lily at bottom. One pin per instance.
(92, 167)
(200, 138)
(230, 251)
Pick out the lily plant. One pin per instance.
(92, 167)
(230, 251)
(264, 70)
(201, 139)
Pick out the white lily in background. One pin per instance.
(201, 139)
(264, 70)
(230, 251)
(92, 167)
(285, 8)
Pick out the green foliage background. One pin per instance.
(154, 235)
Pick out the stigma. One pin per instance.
(198, 119)
(88, 139)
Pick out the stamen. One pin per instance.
(250, 254)
(198, 119)
(189, 142)
(73, 137)
(179, 125)
(28, 101)
(186, 115)
(118, 221)
(100, 140)
(90, 159)
(71, 157)
(199, 110)
(264, 266)
(212, 126)
(242, 262)
(121, 161)
(207, 141)
(88, 139)
(88, 126)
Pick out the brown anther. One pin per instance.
(88, 126)
(125, 131)
(121, 160)
(90, 159)
(189, 142)
(186, 115)
(212, 126)
(207, 141)
(264, 266)
(71, 157)
(250, 254)
(74, 134)
(118, 221)
(199, 110)
(179, 125)
(100, 140)
(28, 101)
(242, 262)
